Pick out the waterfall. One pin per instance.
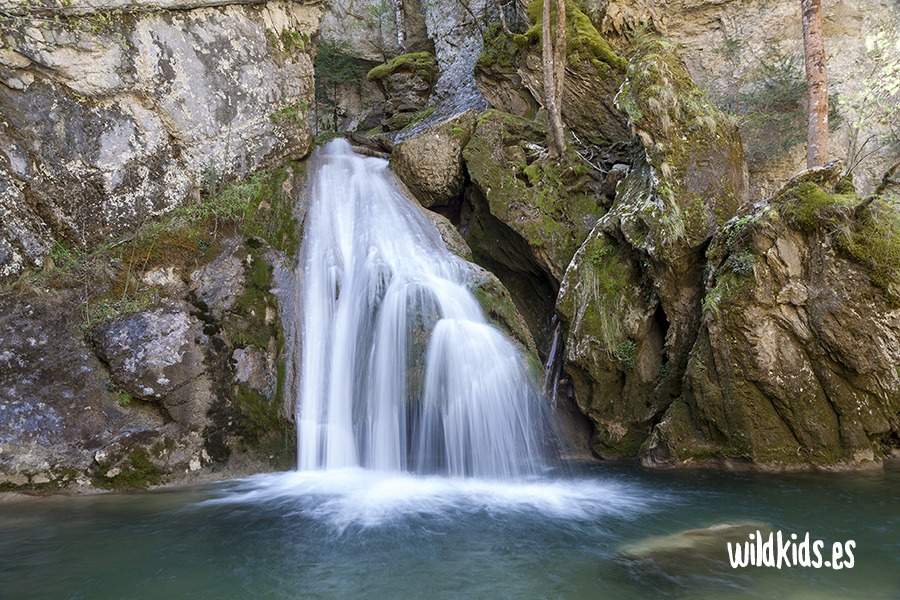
(399, 368)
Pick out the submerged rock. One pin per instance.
(709, 542)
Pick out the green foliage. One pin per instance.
(742, 263)
(123, 398)
(108, 278)
(771, 107)
(290, 114)
(876, 103)
(333, 67)
(626, 352)
(595, 258)
(293, 41)
(334, 64)
(422, 64)
(107, 309)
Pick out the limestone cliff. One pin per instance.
(118, 114)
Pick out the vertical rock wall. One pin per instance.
(106, 125)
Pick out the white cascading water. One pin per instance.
(400, 370)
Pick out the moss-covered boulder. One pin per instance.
(614, 347)
(528, 216)
(631, 298)
(509, 74)
(691, 177)
(406, 81)
(552, 207)
(797, 360)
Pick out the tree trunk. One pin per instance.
(553, 50)
(816, 82)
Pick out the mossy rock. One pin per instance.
(509, 74)
(583, 41)
(551, 206)
(614, 345)
(795, 365)
(422, 64)
(691, 178)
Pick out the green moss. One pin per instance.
(246, 324)
(875, 242)
(136, 472)
(807, 206)
(626, 352)
(500, 309)
(406, 121)
(262, 428)
(551, 206)
(869, 236)
(422, 64)
(583, 41)
(123, 398)
(499, 49)
(693, 150)
(293, 41)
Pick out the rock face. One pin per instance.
(159, 356)
(727, 45)
(406, 81)
(187, 389)
(631, 297)
(103, 130)
(527, 217)
(796, 363)
(509, 74)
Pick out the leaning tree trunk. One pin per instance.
(816, 82)
(553, 53)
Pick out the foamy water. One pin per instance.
(354, 496)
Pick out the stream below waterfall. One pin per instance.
(360, 534)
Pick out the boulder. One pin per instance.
(158, 356)
(631, 297)
(431, 162)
